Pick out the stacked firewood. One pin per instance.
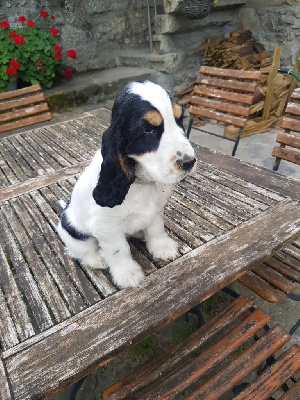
(239, 50)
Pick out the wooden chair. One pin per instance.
(224, 95)
(280, 275)
(291, 122)
(23, 107)
(216, 358)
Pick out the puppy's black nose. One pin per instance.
(186, 163)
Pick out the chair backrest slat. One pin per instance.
(231, 73)
(288, 139)
(19, 92)
(249, 87)
(225, 95)
(221, 106)
(226, 118)
(290, 124)
(296, 94)
(293, 108)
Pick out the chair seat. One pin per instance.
(215, 359)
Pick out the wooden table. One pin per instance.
(60, 321)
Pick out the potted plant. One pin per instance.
(31, 52)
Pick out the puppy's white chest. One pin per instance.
(143, 203)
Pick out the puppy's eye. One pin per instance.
(149, 131)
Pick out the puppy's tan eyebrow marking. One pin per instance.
(153, 117)
(177, 110)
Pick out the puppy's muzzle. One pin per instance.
(186, 163)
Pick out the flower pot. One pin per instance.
(196, 9)
(11, 86)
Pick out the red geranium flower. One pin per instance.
(11, 71)
(12, 34)
(19, 39)
(52, 17)
(14, 63)
(4, 25)
(57, 48)
(21, 19)
(68, 73)
(30, 23)
(53, 31)
(58, 56)
(71, 53)
(44, 14)
(42, 69)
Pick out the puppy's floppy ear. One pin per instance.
(117, 170)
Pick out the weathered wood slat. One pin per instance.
(22, 102)
(286, 154)
(177, 285)
(231, 73)
(261, 287)
(26, 283)
(11, 115)
(296, 94)
(19, 92)
(13, 172)
(19, 158)
(292, 393)
(286, 259)
(248, 87)
(226, 118)
(14, 300)
(288, 139)
(272, 378)
(5, 393)
(9, 126)
(292, 250)
(208, 358)
(284, 269)
(225, 95)
(275, 278)
(237, 370)
(156, 368)
(282, 185)
(183, 234)
(291, 124)
(221, 106)
(41, 181)
(293, 108)
(8, 333)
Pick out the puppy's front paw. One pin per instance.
(127, 274)
(164, 248)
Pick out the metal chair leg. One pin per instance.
(236, 143)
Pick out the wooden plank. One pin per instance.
(24, 112)
(226, 118)
(275, 278)
(238, 369)
(221, 105)
(286, 154)
(231, 73)
(261, 287)
(291, 124)
(173, 385)
(14, 300)
(41, 181)
(162, 297)
(293, 108)
(248, 87)
(287, 260)
(279, 184)
(25, 122)
(288, 139)
(283, 269)
(296, 94)
(271, 77)
(273, 377)
(292, 393)
(7, 105)
(19, 92)
(157, 367)
(8, 333)
(5, 393)
(225, 95)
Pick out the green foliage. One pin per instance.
(36, 56)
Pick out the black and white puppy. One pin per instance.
(124, 190)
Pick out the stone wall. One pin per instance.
(274, 23)
(97, 29)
